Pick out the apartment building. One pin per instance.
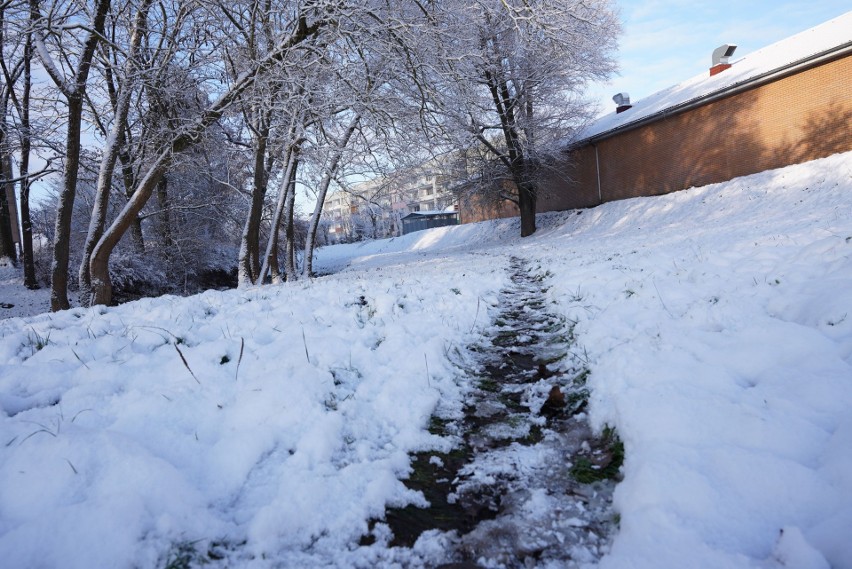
(375, 209)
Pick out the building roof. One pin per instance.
(429, 213)
(804, 48)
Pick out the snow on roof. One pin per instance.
(431, 212)
(805, 45)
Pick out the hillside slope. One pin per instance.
(267, 427)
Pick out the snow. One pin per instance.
(715, 322)
(426, 213)
(15, 300)
(817, 40)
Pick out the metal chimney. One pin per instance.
(720, 58)
(622, 101)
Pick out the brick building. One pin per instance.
(784, 104)
(787, 103)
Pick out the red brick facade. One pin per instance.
(800, 117)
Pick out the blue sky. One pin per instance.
(665, 42)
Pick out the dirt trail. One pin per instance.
(527, 484)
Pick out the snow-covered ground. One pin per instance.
(16, 300)
(264, 428)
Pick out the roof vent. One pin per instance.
(622, 100)
(721, 55)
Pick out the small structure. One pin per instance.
(420, 220)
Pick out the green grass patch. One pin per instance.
(489, 385)
(603, 462)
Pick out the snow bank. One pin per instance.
(280, 418)
(717, 323)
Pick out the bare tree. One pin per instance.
(7, 241)
(329, 171)
(16, 54)
(506, 77)
(300, 30)
(255, 28)
(72, 85)
(25, 131)
(113, 144)
(283, 213)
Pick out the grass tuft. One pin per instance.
(182, 555)
(37, 342)
(603, 462)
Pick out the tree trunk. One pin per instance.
(99, 263)
(75, 95)
(7, 241)
(308, 269)
(24, 169)
(506, 105)
(97, 222)
(62, 232)
(526, 203)
(129, 179)
(291, 271)
(27, 233)
(250, 242)
(136, 235)
(165, 217)
(270, 258)
(112, 150)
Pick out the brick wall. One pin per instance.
(795, 119)
(474, 208)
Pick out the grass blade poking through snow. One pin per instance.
(305, 341)
(240, 359)
(183, 359)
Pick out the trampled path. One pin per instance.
(527, 483)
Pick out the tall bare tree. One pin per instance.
(517, 89)
(72, 85)
(24, 166)
(338, 145)
(12, 70)
(300, 30)
(255, 28)
(113, 146)
(16, 59)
